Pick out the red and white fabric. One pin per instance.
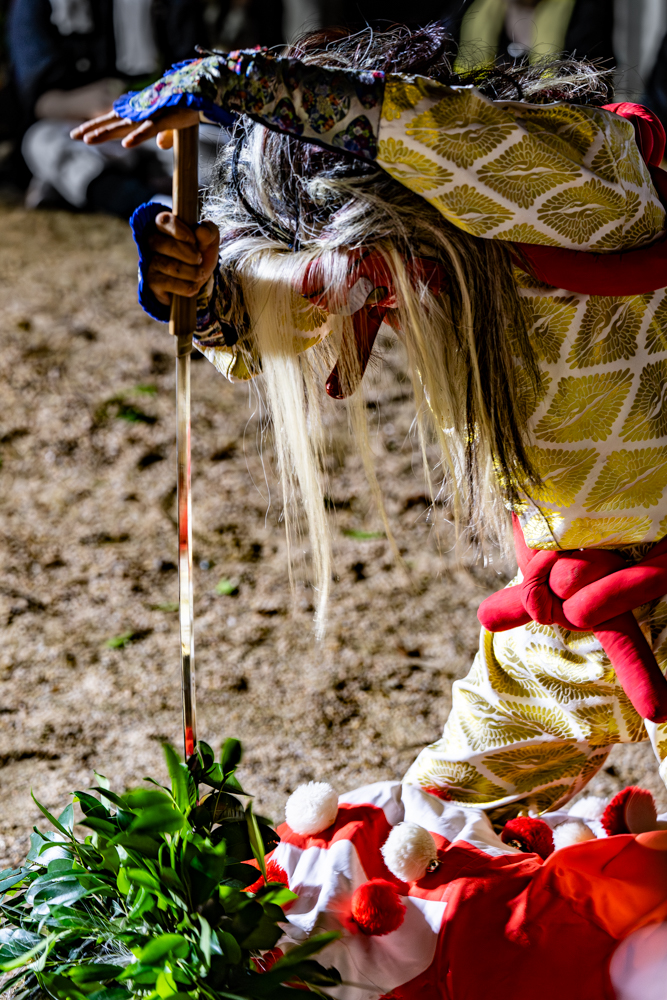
(490, 918)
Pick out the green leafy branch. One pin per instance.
(154, 902)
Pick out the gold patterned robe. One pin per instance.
(541, 707)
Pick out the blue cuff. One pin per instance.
(127, 107)
(142, 224)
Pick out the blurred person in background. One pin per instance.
(238, 24)
(656, 91)
(71, 59)
(12, 168)
(488, 29)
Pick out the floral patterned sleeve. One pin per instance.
(336, 108)
(557, 174)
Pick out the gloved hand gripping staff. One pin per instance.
(181, 325)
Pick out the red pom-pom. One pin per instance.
(377, 908)
(274, 874)
(630, 811)
(533, 836)
(440, 793)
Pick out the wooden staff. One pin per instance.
(182, 325)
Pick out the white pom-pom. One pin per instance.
(590, 807)
(573, 832)
(408, 851)
(311, 808)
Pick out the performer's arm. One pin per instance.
(558, 174)
(339, 109)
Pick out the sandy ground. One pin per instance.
(88, 539)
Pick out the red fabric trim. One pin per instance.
(590, 590)
(649, 130)
(634, 272)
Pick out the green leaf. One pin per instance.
(362, 536)
(264, 935)
(226, 588)
(303, 951)
(11, 877)
(179, 775)
(230, 755)
(140, 843)
(280, 895)
(119, 641)
(142, 798)
(52, 820)
(139, 876)
(171, 879)
(164, 944)
(91, 806)
(93, 972)
(205, 939)
(145, 975)
(205, 755)
(23, 958)
(256, 841)
(213, 776)
(59, 892)
(149, 390)
(246, 918)
(219, 806)
(110, 796)
(166, 985)
(144, 902)
(235, 836)
(229, 946)
(16, 941)
(209, 860)
(61, 987)
(66, 818)
(123, 882)
(111, 993)
(100, 826)
(232, 785)
(61, 865)
(162, 819)
(49, 850)
(245, 875)
(110, 859)
(315, 974)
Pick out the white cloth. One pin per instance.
(325, 874)
(136, 51)
(72, 17)
(639, 965)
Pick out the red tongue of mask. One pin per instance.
(369, 316)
